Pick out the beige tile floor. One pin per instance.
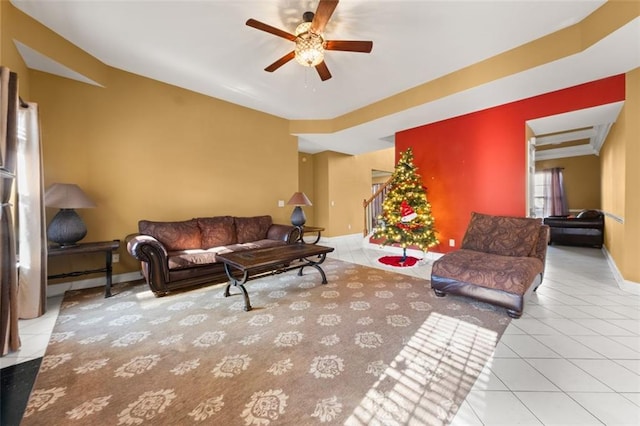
(572, 359)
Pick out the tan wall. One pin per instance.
(306, 170)
(142, 149)
(631, 268)
(321, 176)
(146, 150)
(342, 182)
(581, 180)
(620, 182)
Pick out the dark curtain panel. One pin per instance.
(8, 273)
(555, 202)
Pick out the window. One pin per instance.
(538, 193)
(548, 194)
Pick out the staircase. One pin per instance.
(373, 206)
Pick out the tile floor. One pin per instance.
(572, 359)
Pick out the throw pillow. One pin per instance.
(217, 231)
(251, 229)
(174, 236)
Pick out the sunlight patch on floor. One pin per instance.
(439, 363)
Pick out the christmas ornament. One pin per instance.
(407, 214)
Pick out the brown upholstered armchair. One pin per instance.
(501, 261)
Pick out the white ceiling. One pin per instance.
(206, 47)
(590, 126)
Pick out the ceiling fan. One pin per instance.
(310, 42)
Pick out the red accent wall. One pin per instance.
(476, 162)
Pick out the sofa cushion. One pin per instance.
(183, 235)
(502, 235)
(258, 244)
(506, 273)
(198, 257)
(250, 229)
(217, 231)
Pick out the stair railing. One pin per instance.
(373, 207)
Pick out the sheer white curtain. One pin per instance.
(9, 337)
(32, 249)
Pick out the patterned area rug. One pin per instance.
(370, 347)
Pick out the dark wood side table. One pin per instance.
(106, 247)
(310, 230)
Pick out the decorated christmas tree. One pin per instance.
(406, 218)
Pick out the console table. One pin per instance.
(106, 247)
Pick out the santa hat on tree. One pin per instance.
(407, 214)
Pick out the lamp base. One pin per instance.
(66, 228)
(297, 217)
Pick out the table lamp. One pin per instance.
(298, 199)
(66, 227)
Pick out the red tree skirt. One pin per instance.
(397, 261)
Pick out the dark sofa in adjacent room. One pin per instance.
(586, 229)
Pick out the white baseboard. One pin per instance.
(60, 288)
(626, 285)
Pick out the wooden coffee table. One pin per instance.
(247, 265)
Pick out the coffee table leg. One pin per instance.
(236, 283)
(316, 265)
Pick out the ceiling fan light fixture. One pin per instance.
(309, 49)
(304, 27)
(309, 40)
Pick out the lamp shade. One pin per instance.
(67, 196)
(299, 199)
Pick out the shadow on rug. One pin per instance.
(370, 347)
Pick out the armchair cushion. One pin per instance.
(183, 235)
(507, 273)
(501, 235)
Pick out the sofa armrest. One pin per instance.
(141, 246)
(287, 233)
(154, 258)
(540, 251)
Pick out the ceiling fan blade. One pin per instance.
(349, 46)
(280, 62)
(323, 71)
(322, 15)
(271, 30)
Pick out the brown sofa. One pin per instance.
(182, 254)
(501, 260)
(586, 229)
